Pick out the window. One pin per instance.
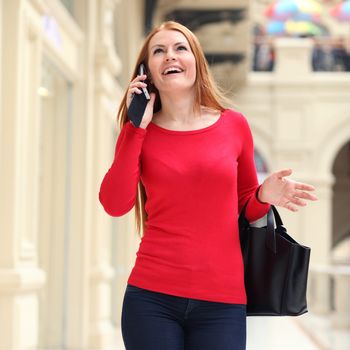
(54, 210)
(69, 5)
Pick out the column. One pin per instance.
(101, 143)
(341, 316)
(20, 277)
(320, 242)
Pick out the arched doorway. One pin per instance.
(341, 200)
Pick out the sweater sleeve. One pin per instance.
(119, 186)
(247, 181)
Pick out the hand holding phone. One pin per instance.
(138, 103)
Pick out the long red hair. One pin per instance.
(207, 94)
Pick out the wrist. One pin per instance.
(259, 196)
(143, 126)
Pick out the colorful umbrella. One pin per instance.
(341, 11)
(281, 10)
(302, 28)
(293, 28)
(294, 17)
(305, 10)
(309, 6)
(275, 28)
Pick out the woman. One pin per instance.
(193, 160)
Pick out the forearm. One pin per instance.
(119, 186)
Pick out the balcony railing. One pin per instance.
(327, 55)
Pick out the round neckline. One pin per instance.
(186, 132)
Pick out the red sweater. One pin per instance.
(196, 183)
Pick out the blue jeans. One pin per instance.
(158, 321)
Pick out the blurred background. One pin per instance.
(65, 64)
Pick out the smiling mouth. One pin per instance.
(171, 74)
(172, 71)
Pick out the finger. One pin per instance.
(138, 83)
(296, 201)
(306, 195)
(139, 78)
(284, 172)
(290, 207)
(135, 89)
(304, 187)
(299, 202)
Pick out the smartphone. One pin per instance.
(142, 71)
(139, 102)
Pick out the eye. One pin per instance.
(182, 47)
(157, 50)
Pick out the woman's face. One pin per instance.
(171, 62)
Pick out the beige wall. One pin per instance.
(59, 98)
(63, 261)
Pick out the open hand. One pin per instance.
(280, 191)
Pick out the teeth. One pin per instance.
(172, 69)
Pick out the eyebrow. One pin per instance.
(180, 42)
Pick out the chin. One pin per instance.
(174, 86)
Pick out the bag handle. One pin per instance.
(278, 219)
(272, 216)
(271, 233)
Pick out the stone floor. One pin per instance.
(321, 330)
(278, 333)
(306, 332)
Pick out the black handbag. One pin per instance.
(275, 268)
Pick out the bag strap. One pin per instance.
(278, 219)
(272, 217)
(271, 233)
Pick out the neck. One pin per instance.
(178, 108)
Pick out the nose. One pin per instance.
(170, 59)
(170, 56)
